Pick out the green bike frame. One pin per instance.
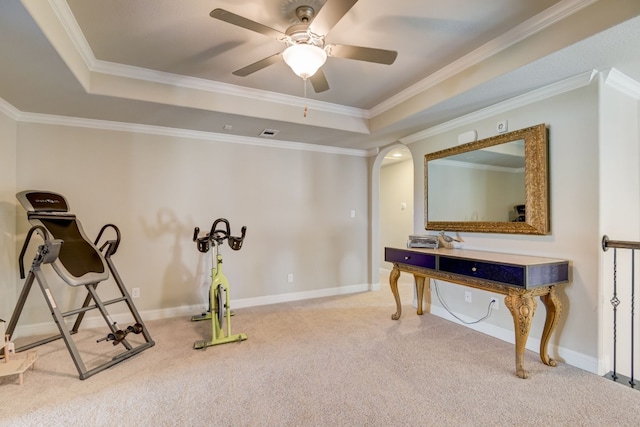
(219, 310)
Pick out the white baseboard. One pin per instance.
(570, 357)
(48, 328)
(298, 296)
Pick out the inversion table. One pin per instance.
(79, 262)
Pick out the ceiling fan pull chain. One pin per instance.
(305, 97)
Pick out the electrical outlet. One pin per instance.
(467, 296)
(290, 278)
(135, 292)
(496, 303)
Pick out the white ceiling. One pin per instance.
(168, 63)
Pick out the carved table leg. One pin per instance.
(393, 282)
(522, 307)
(419, 291)
(554, 307)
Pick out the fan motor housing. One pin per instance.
(305, 14)
(299, 34)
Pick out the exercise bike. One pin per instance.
(219, 309)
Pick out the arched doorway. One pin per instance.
(392, 205)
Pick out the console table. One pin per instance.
(520, 278)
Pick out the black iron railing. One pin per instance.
(615, 303)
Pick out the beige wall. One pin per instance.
(296, 205)
(8, 288)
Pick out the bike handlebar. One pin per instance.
(219, 235)
(236, 242)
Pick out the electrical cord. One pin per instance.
(444, 305)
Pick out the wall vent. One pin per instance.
(269, 133)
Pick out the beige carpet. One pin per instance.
(338, 361)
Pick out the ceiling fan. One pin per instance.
(306, 50)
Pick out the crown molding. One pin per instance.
(73, 30)
(9, 110)
(548, 17)
(137, 73)
(621, 82)
(62, 11)
(554, 89)
(49, 119)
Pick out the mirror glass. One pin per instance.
(496, 185)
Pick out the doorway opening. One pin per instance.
(393, 208)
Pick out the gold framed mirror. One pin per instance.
(495, 185)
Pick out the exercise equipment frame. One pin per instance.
(49, 253)
(219, 306)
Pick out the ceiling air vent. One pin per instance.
(269, 133)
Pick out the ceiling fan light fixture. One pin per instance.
(304, 59)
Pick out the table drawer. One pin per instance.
(418, 259)
(512, 275)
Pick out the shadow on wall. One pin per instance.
(180, 286)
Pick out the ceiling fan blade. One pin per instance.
(243, 22)
(369, 54)
(257, 66)
(319, 82)
(329, 15)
